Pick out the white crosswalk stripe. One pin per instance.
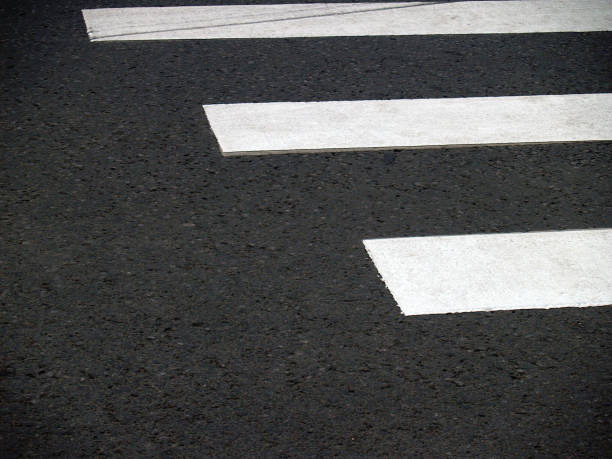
(365, 125)
(347, 19)
(488, 272)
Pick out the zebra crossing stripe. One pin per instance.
(486, 272)
(285, 127)
(347, 19)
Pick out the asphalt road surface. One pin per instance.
(160, 300)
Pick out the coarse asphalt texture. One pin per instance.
(160, 300)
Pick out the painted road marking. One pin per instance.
(487, 272)
(285, 127)
(347, 19)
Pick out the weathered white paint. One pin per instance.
(284, 127)
(487, 272)
(347, 19)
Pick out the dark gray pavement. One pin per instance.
(159, 300)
